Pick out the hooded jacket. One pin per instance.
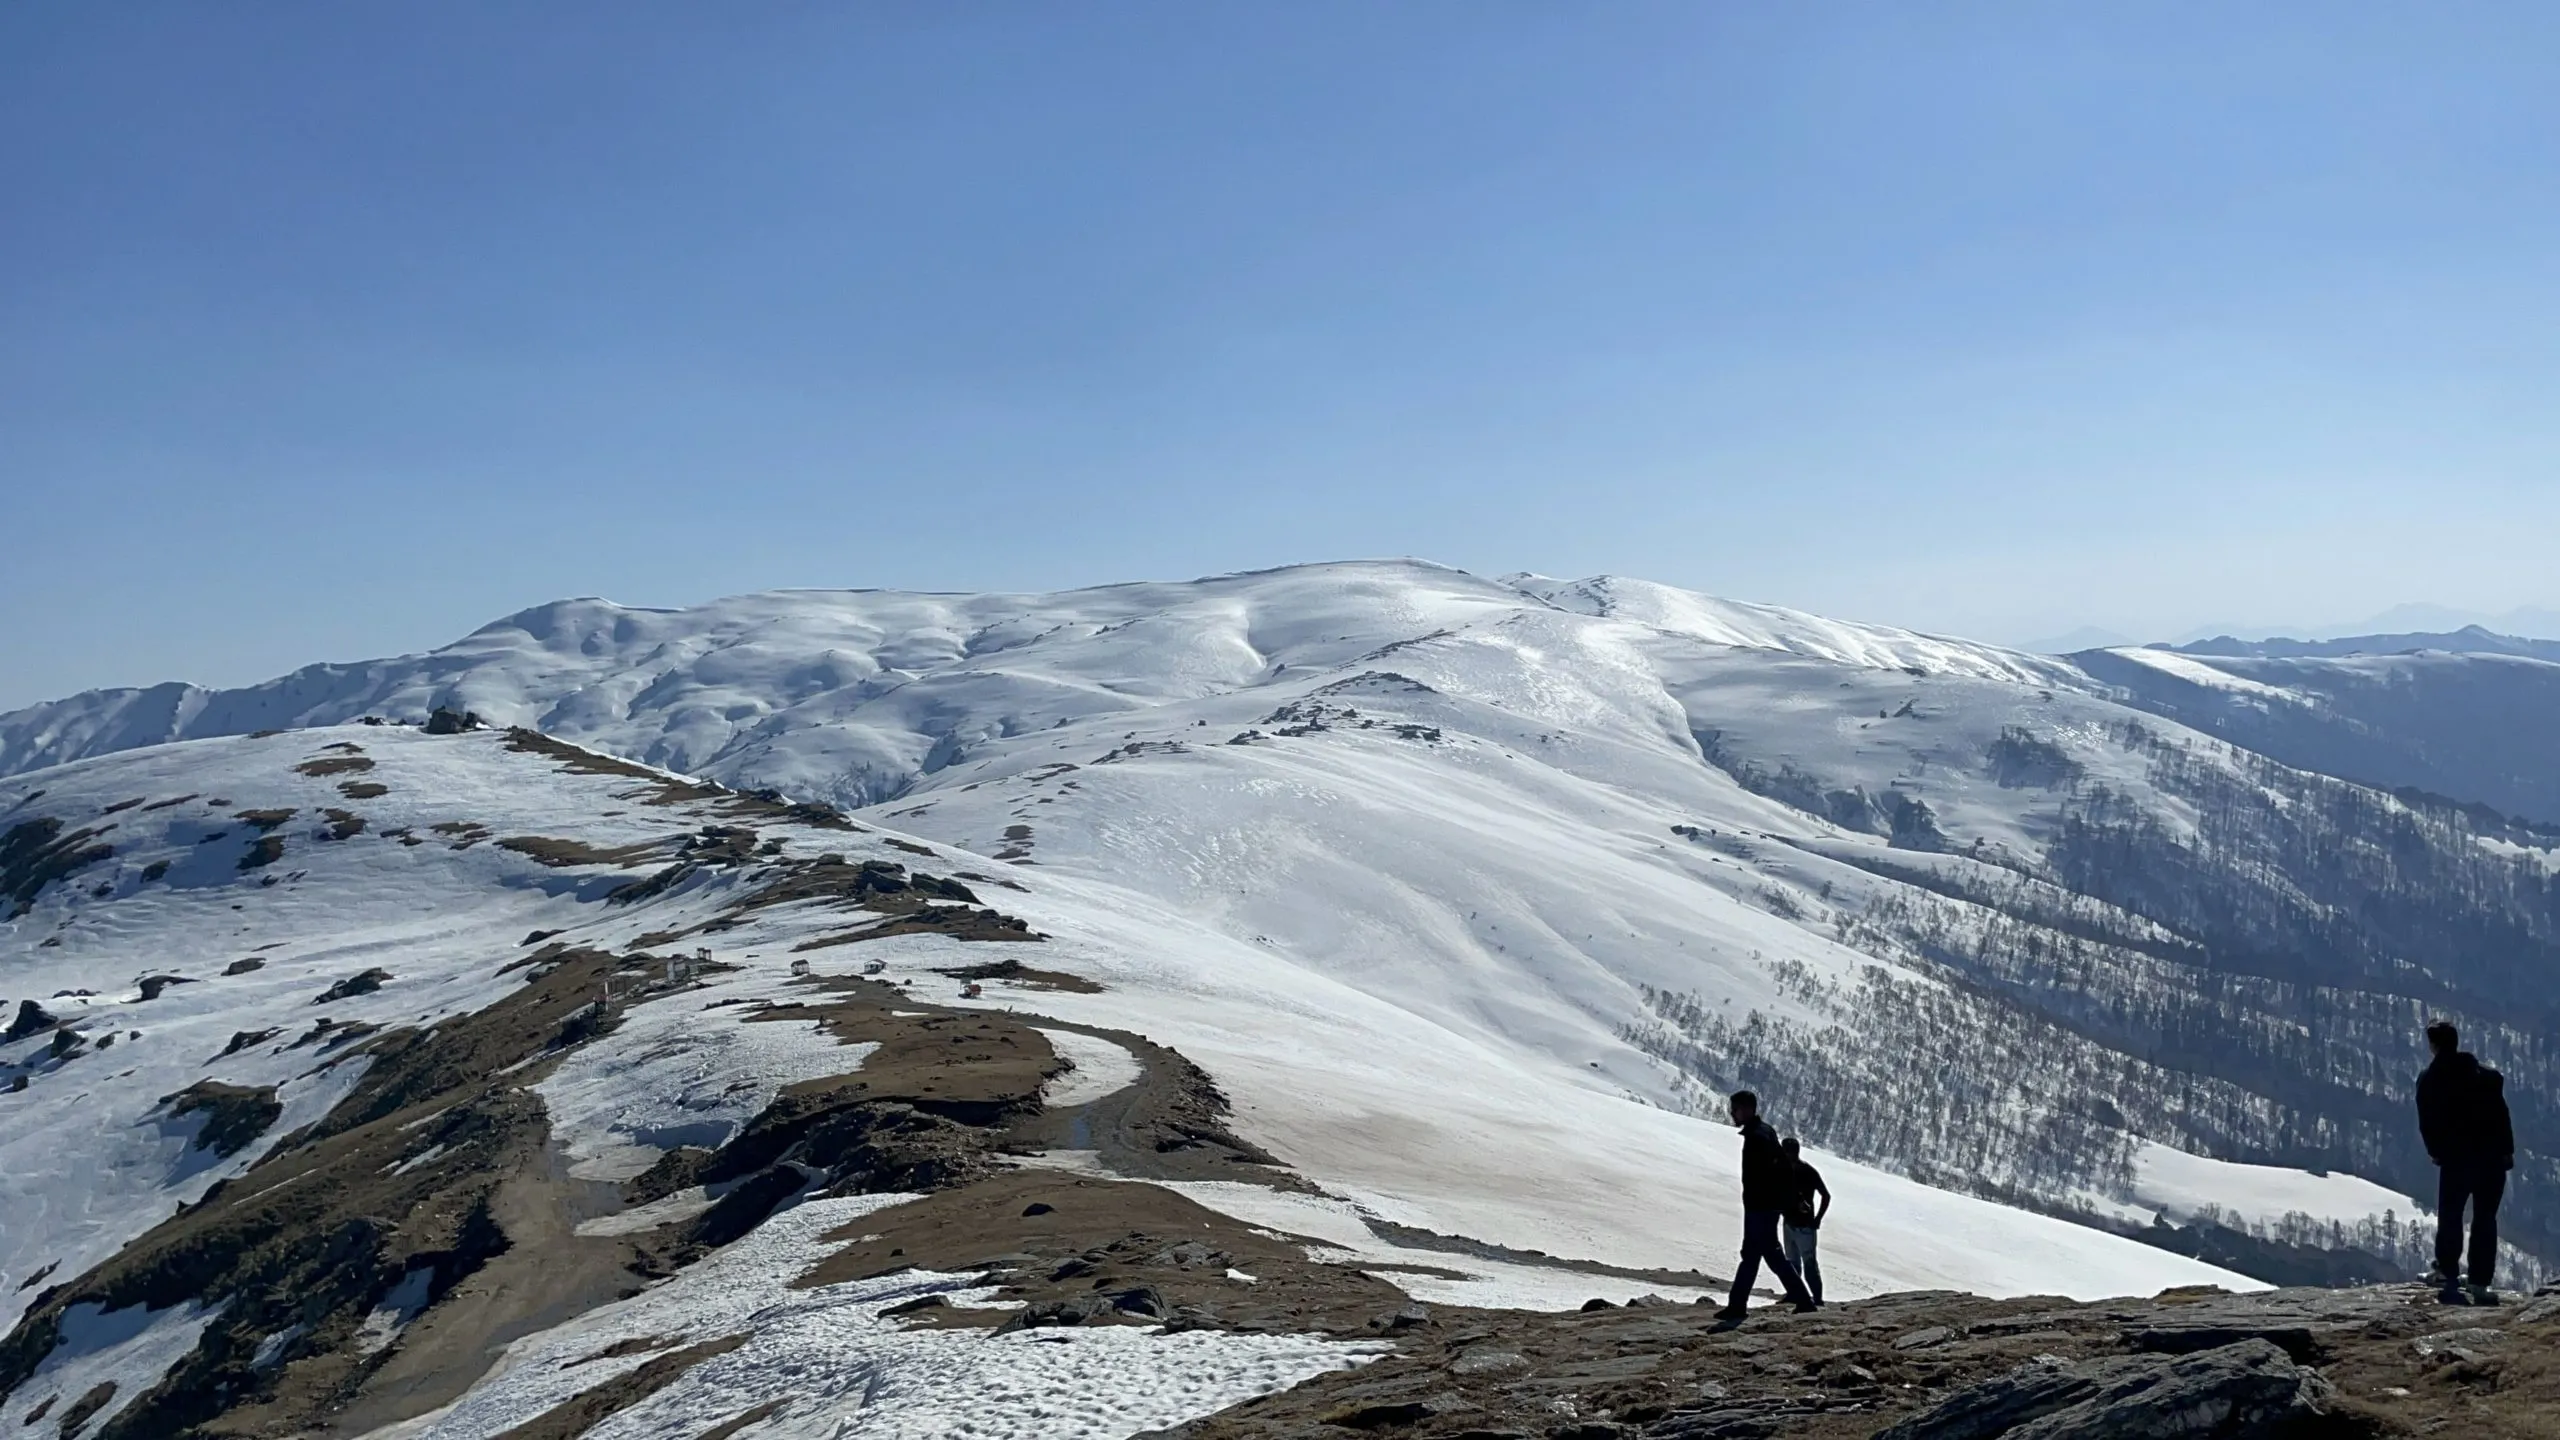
(2462, 1112)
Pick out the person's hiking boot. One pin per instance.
(2450, 1293)
(2483, 1295)
(1732, 1312)
(1807, 1306)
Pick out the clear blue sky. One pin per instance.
(336, 329)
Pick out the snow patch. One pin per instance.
(1435, 1276)
(679, 1074)
(131, 1349)
(2183, 1186)
(1101, 1069)
(682, 1205)
(395, 1311)
(836, 1368)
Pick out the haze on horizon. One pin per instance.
(336, 332)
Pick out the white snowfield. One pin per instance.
(2183, 1186)
(1385, 848)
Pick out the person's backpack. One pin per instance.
(2497, 1128)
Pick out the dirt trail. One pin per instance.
(1412, 1238)
(1168, 1124)
(549, 1274)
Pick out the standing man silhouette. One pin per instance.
(1768, 1184)
(2462, 1115)
(1810, 1201)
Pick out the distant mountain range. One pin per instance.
(2465, 715)
(2537, 620)
(2469, 640)
(2540, 622)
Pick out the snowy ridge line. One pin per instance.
(649, 683)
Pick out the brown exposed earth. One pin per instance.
(552, 851)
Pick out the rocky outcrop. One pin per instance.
(233, 1115)
(2236, 1391)
(2303, 1364)
(2304, 1323)
(33, 1019)
(362, 983)
(35, 853)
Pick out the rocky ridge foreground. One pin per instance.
(2379, 1361)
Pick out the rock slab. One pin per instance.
(2234, 1392)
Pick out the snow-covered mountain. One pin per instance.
(2464, 715)
(852, 696)
(1470, 895)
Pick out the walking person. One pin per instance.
(1768, 1182)
(2462, 1116)
(1804, 1218)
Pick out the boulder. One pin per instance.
(2470, 1346)
(354, 985)
(2234, 1392)
(2297, 1321)
(2545, 1307)
(1045, 1313)
(1142, 1300)
(1187, 1254)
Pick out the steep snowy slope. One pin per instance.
(239, 957)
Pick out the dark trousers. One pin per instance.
(2480, 1184)
(1759, 1243)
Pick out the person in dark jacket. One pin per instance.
(1768, 1185)
(2462, 1115)
(1805, 1209)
